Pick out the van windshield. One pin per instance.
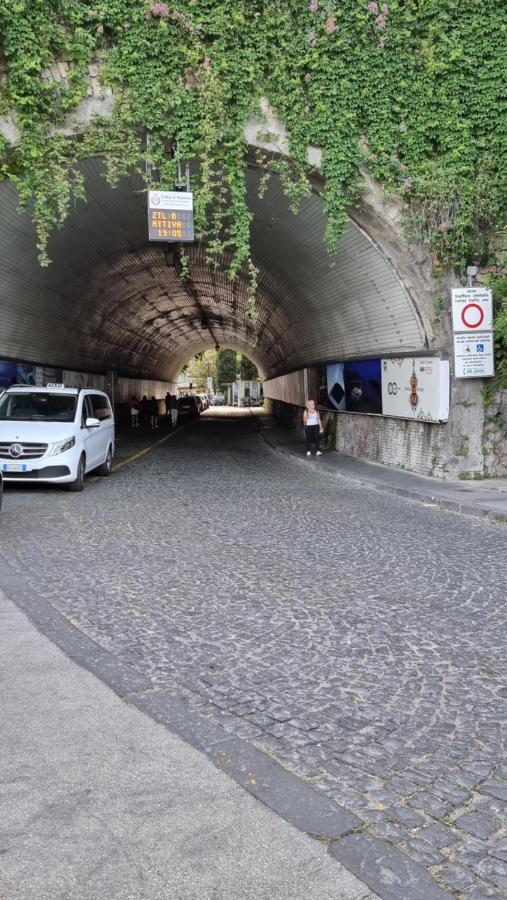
(38, 407)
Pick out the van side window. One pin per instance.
(87, 411)
(101, 407)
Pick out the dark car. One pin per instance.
(189, 406)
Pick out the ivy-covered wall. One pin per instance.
(411, 92)
(412, 89)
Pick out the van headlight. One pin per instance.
(62, 446)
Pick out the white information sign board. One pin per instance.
(171, 200)
(416, 388)
(474, 355)
(472, 309)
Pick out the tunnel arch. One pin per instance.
(109, 299)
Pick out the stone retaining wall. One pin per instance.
(495, 436)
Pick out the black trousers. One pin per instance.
(312, 436)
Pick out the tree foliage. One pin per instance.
(247, 369)
(227, 367)
(200, 367)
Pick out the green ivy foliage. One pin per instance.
(498, 284)
(411, 91)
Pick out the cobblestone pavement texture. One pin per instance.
(358, 637)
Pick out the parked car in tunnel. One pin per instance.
(189, 405)
(55, 434)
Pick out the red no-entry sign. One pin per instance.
(472, 308)
(472, 315)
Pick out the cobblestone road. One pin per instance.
(358, 637)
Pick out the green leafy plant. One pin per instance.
(411, 92)
(498, 283)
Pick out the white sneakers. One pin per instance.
(318, 453)
(308, 453)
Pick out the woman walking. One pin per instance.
(313, 428)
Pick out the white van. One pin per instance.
(55, 434)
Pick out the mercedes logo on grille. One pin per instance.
(16, 450)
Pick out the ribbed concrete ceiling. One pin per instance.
(109, 300)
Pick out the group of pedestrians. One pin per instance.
(147, 411)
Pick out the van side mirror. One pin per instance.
(92, 423)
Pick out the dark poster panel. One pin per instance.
(363, 386)
(26, 374)
(335, 397)
(8, 374)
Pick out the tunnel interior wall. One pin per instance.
(446, 450)
(119, 389)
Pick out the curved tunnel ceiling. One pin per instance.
(109, 299)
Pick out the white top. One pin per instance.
(312, 418)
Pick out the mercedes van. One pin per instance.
(55, 434)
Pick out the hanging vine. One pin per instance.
(413, 90)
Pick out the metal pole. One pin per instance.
(471, 273)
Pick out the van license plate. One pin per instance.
(14, 467)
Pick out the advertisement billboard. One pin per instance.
(336, 387)
(362, 380)
(8, 374)
(416, 388)
(26, 374)
(48, 375)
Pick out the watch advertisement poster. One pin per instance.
(416, 388)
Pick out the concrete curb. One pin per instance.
(466, 509)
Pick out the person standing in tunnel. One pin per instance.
(145, 410)
(168, 404)
(173, 405)
(134, 411)
(154, 412)
(313, 428)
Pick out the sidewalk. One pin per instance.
(486, 499)
(101, 803)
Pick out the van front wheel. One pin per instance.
(78, 484)
(107, 465)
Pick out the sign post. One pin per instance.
(170, 216)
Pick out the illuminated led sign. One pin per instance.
(170, 216)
